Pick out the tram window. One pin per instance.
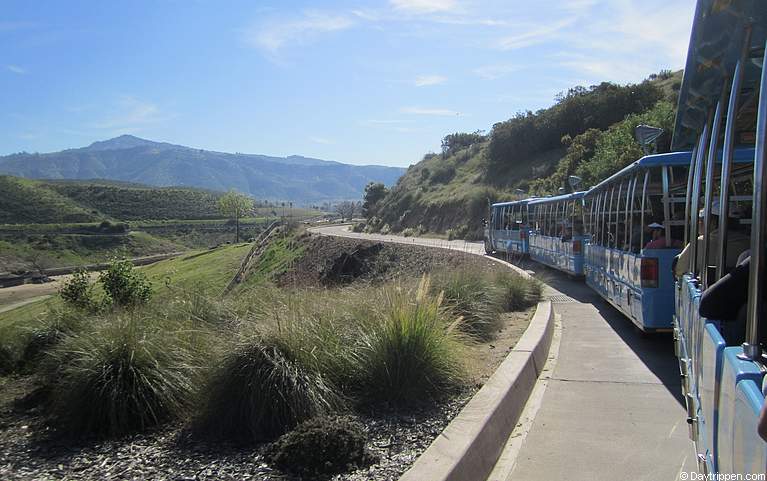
(677, 193)
(596, 238)
(639, 235)
(654, 198)
(619, 214)
(603, 231)
(577, 217)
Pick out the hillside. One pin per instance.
(131, 202)
(127, 158)
(27, 202)
(587, 132)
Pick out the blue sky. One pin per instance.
(358, 82)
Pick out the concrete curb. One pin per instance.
(470, 445)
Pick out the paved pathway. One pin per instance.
(612, 407)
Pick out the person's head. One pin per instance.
(656, 230)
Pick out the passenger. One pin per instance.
(726, 300)
(658, 240)
(738, 241)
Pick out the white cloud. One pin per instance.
(534, 36)
(426, 80)
(16, 69)
(424, 6)
(271, 37)
(629, 42)
(492, 72)
(321, 140)
(428, 111)
(131, 114)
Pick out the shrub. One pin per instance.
(359, 227)
(78, 291)
(385, 230)
(456, 233)
(321, 446)
(124, 286)
(471, 295)
(409, 353)
(260, 390)
(409, 232)
(120, 375)
(7, 360)
(49, 332)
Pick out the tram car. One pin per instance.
(635, 221)
(508, 230)
(719, 325)
(557, 236)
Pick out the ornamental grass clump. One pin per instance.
(121, 374)
(7, 360)
(517, 292)
(472, 295)
(260, 390)
(412, 352)
(48, 332)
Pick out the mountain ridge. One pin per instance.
(132, 159)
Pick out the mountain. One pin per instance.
(127, 158)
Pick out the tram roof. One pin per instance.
(514, 202)
(670, 158)
(557, 198)
(716, 40)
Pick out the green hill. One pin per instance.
(25, 201)
(587, 132)
(136, 202)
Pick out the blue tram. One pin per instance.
(721, 360)
(556, 235)
(625, 263)
(508, 230)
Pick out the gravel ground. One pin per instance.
(29, 451)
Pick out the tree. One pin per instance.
(374, 192)
(346, 209)
(124, 286)
(235, 205)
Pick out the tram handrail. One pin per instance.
(758, 272)
(728, 150)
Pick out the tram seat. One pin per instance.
(740, 402)
(711, 358)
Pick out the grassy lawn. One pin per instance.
(207, 270)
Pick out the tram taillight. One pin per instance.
(649, 272)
